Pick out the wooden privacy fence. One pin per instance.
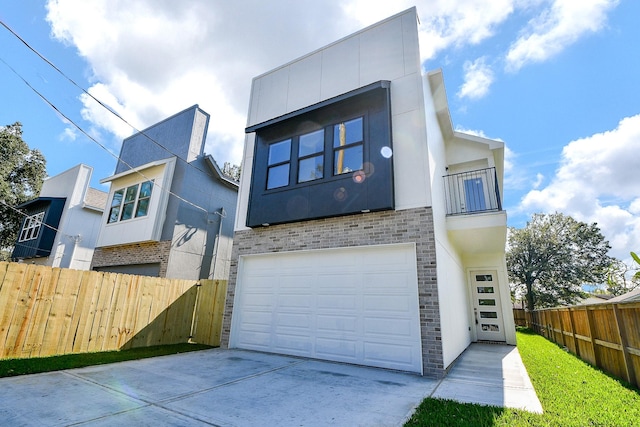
(520, 316)
(604, 335)
(48, 311)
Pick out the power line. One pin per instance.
(96, 141)
(43, 58)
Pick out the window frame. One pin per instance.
(333, 195)
(129, 202)
(31, 227)
(327, 153)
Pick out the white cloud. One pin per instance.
(597, 181)
(557, 27)
(478, 77)
(150, 59)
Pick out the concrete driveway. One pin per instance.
(243, 388)
(214, 387)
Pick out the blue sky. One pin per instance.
(557, 80)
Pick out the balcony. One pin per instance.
(472, 192)
(476, 223)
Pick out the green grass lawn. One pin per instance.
(12, 367)
(572, 393)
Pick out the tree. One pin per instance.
(553, 256)
(22, 172)
(623, 278)
(232, 171)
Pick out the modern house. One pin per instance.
(368, 230)
(170, 208)
(61, 225)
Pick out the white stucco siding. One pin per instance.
(388, 50)
(453, 293)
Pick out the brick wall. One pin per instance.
(388, 227)
(137, 253)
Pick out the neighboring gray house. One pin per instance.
(170, 209)
(61, 225)
(368, 230)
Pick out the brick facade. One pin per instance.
(136, 253)
(375, 228)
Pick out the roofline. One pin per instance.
(211, 162)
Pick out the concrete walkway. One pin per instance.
(243, 388)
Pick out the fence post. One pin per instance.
(622, 334)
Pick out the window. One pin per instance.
(279, 161)
(318, 162)
(311, 156)
(347, 146)
(347, 140)
(130, 202)
(31, 227)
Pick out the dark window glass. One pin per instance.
(310, 168)
(311, 143)
(143, 198)
(143, 208)
(311, 156)
(114, 213)
(487, 302)
(347, 133)
(280, 152)
(484, 278)
(129, 202)
(279, 158)
(485, 289)
(278, 176)
(347, 145)
(488, 315)
(348, 160)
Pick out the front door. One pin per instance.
(486, 306)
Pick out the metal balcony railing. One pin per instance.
(472, 192)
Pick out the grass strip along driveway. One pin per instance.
(13, 367)
(572, 393)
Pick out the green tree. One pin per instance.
(22, 171)
(623, 278)
(232, 171)
(553, 256)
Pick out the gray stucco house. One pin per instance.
(170, 208)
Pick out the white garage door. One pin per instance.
(356, 305)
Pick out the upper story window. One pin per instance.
(31, 228)
(347, 146)
(324, 160)
(279, 163)
(346, 142)
(311, 156)
(130, 202)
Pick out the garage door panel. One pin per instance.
(336, 324)
(394, 354)
(355, 305)
(402, 328)
(387, 304)
(330, 347)
(337, 302)
(293, 344)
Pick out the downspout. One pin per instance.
(214, 257)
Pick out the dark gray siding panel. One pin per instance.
(332, 195)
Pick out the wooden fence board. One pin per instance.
(605, 335)
(23, 303)
(44, 300)
(45, 311)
